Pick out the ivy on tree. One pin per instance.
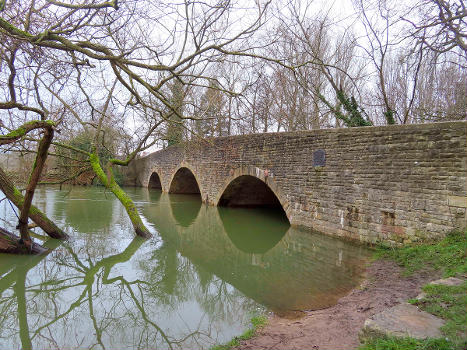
(353, 116)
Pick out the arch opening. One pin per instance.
(155, 181)
(249, 192)
(184, 182)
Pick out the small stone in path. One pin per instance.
(421, 296)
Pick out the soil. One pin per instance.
(337, 327)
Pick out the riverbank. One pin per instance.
(396, 276)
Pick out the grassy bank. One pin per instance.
(449, 256)
(256, 322)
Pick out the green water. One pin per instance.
(196, 283)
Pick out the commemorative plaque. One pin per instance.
(319, 158)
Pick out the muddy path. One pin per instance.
(337, 327)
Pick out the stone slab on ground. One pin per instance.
(403, 320)
(451, 281)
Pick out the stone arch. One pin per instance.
(249, 180)
(151, 173)
(155, 181)
(184, 181)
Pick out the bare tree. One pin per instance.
(117, 58)
(406, 61)
(440, 25)
(324, 67)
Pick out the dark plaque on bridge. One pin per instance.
(319, 158)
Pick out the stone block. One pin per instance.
(403, 320)
(457, 201)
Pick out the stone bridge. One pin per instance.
(391, 184)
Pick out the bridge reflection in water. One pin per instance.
(279, 266)
(195, 284)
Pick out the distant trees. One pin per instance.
(407, 62)
(371, 69)
(175, 120)
(149, 74)
(211, 119)
(73, 167)
(311, 70)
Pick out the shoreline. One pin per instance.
(338, 326)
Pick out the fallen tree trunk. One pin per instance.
(15, 196)
(12, 244)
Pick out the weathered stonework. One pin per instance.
(392, 184)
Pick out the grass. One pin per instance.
(392, 343)
(450, 304)
(449, 256)
(257, 322)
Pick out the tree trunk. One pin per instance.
(36, 171)
(15, 196)
(9, 243)
(109, 182)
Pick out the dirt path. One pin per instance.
(337, 327)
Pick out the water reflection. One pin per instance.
(258, 253)
(85, 211)
(194, 285)
(185, 208)
(254, 238)
(106, 291)
(13, 283)
(95, 304)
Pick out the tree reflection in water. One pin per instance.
(194, 285)
(122, 315)
(144, 295)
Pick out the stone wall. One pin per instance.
(394, 184)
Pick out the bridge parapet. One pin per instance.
(390, 184)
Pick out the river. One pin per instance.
(196, 283)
